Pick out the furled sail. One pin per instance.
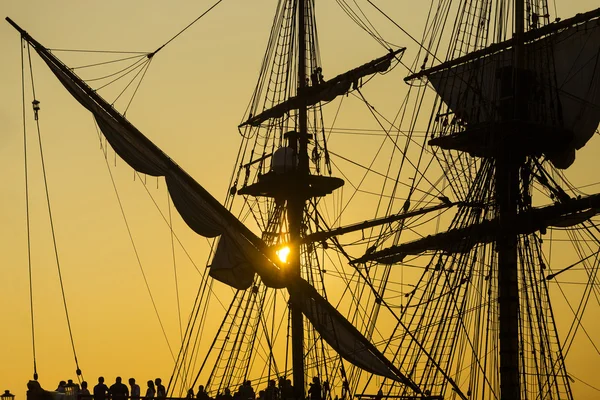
(575, 54)
(342, 335)
(198, 208)
(325, 91)
(232, 265)
(460, 240)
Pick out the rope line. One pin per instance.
(35, 374)
(184, 29)
(62, 287)
(137, 256)
(100, 51)
(137, 86)
(403, 30)
(172, 234)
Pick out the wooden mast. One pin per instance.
(507, 194)
(296, 206)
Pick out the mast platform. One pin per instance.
(280, 185)
(482, 140)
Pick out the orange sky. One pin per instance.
(191, 101)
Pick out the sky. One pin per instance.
(194, 95)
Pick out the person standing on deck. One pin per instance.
(326, 390)
(247, 391)
(287, 390)
(238, 394)
(118, 390)
(161, 392)
(135, 389)
(150, 392)
(227, 395)
(271, 392)
(71, 389)
(315, 392)
(100, 390)
(84, 393)
(202, 395)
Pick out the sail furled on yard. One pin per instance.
(198, 208)
(462, 239)
(470, 88)
(326, 90)
(341, 335)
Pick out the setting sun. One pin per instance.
(283, 253)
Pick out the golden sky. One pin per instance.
(190, 103)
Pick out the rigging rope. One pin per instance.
(136, 88)
(184, 29)
(35, 374)
(62, 288)
(139, 261)
(403, 30)
(136, 57)
(402, 151)
(172, 234)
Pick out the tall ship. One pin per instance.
(442, 253)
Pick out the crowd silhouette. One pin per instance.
(117, 391)
(275, 390)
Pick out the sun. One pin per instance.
(283, 253)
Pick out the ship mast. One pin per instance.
(507, 193)
(296, 206)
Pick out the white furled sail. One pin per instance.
(470, 88)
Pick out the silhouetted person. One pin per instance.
(135, 389)
(271, 393)
(150, 392)
(71, 388)
(314, 79)
(100, 390)
(84, 393)
(190, 394)
(118, 390)
(238, 394)
(202, 395)
(61, 387)
(161, 392)
(227, 395)
(247, 392)
(287, 390)
(315, 392)
(320, 75)
(35, 391)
